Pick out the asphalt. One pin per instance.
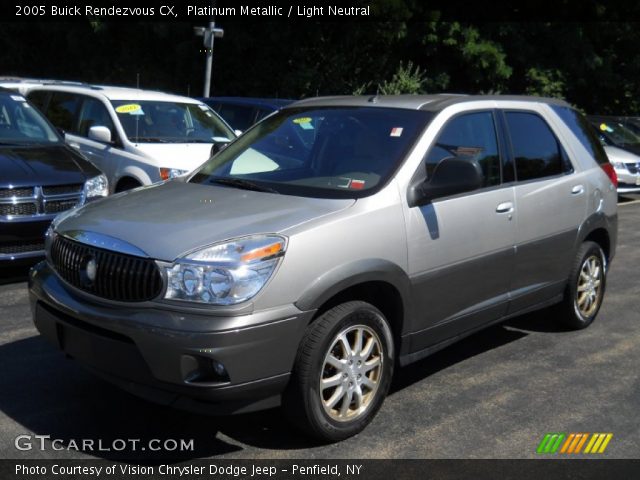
(492, 395)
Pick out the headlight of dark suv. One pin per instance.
(95, 187)
(225, 273)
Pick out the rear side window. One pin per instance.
(471, 135)
(583, 131)
(62, 110)
(536, 149)
(39, 99)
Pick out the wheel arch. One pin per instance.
(602, 230)
(378, 282)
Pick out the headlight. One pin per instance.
(167, 173)
(226, 273)
(619, 165)
(96, 187)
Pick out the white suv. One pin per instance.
(136, 137)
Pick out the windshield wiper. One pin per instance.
(243, 184)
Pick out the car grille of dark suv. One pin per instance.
(32, 201)
(16, 248)
(118, 276)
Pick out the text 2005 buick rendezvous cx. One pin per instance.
(332, 241)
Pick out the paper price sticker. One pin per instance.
(128, 108)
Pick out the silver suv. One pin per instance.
(331, 242)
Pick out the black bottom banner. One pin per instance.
(545, 469)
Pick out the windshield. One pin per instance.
(169, 122)
(21, 124)
(320, 152)
(615, 133)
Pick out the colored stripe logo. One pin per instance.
(574, 443)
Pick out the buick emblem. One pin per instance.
(88, 271)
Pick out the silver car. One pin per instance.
(331, 243)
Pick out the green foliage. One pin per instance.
(545, 82)
(414, 49)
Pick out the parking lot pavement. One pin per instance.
(492, 395)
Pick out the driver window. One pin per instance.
(93, 114)
(471, 135)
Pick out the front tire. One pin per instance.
(586, 287)
(342, 372)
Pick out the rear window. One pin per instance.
(583, 131)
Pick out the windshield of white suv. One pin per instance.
(146, 121)
(320, 152)
(21, 124)
(615, 133)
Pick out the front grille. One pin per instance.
(16, 192)
(119, 277)
(62, 189)
(28, 202)
(57, 206)
(15, 209)
(13, 248)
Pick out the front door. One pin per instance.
(461, 248)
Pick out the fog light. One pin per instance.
(219, 369)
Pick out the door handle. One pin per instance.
(505, 207)
(577, 190)
(74, 145)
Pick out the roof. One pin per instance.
(117, 93)
(417, 102)
(275, 103)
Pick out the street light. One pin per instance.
(208, 35)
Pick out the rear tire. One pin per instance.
(586, 287)
(342, 372)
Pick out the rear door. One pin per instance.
(461, 248)
(550, 201)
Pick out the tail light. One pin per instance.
(611, 173)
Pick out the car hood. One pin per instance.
(26, 166)
(631, 148)
(616, 154)
(185, 156)
(170, 219)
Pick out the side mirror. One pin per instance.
(219, 144)
(100, 134)
(451, 176)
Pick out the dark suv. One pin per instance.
(39, 177)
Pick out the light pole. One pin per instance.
(208, 35)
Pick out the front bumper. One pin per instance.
(628, 182)
(22, 239)
(147, 350)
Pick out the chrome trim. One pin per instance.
(40, 200)
(18, 256)
(105, 242)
